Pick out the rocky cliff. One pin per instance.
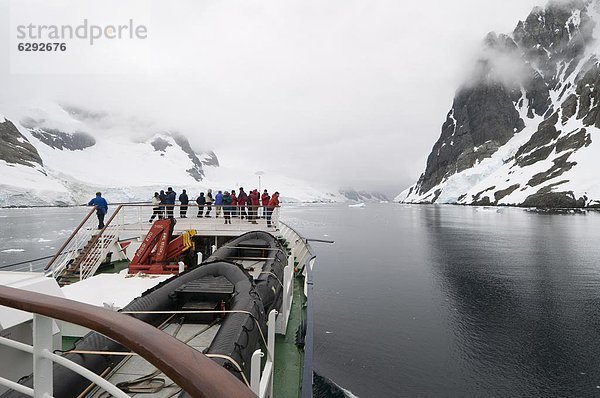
(525, 128)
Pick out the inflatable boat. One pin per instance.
(218, 307)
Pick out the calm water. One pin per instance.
(431, 301)
(441, 301)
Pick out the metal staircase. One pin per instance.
(85, 250)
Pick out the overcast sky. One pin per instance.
(344, 92)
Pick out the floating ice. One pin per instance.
(358, 205)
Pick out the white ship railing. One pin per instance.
(93, 245)
(137, 216)
(192, 371)
(261, 384)
(304, 258)
(43, 357)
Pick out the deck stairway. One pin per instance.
(87, 262)
(86, 249)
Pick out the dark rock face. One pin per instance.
(545, 135)
(160, 144)
(480, 200)
(211, 159)
(196, 171)
(589, 97)
(15, 148)
(569, 108)
(549, 35)
(574, 141)
(553, 200)
(561, 166)
(501, 194)
(543, 71)
(482, 116)
(58, 140)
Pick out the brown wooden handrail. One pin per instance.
(75, 231)
(196, 374)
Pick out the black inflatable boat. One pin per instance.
(222, 290)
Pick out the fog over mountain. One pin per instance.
(343, 93)
(523, 129)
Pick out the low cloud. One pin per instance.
(344, 92)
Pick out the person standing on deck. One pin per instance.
(265, 198)
(101, 208)
(183, 198)
(242, 198)
(209, 201)
(273, 203)
(234, 203)
(170, 201)
(218, 203)
(254, 203)
(201, 201)
(163, 201)
(156, 208)
(227, 200)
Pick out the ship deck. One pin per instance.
(214, 226)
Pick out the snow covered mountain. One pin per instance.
(525, 128)
(60, 155)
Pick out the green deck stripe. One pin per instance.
(288, 357)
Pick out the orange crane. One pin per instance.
(160, 253)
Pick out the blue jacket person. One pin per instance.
(101, 208)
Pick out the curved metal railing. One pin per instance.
(189, 369)
(302, 251)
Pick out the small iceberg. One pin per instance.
(358, 205)
(384, 201)
(487, 209)
(12, 250)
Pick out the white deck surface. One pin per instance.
(31, 281)
(112, 290)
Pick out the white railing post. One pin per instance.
(42, 367)
(292, 255)
(255, 372)
(271, 345)
(287, 299)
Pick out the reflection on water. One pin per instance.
(457, 301)
(431, 301)
(525, 290)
